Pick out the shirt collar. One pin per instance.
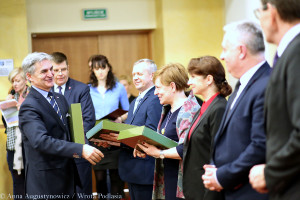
(42, 92)
(287, 38)
(145, 92)
(248, 75)
(63, 87)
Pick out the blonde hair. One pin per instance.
(173, 72)
(126, 78)
(15, 72)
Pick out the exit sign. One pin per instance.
(94, 14)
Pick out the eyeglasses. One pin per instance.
(60, 70)
(257, 11)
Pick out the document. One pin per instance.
(10, 112)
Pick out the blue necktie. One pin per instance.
(54, 105)
(59, 90)
(275, 59)
(232, 97)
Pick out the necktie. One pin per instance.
(275, 59)
(233, 95)
(59, 90)
(54, 105)
(137, 102)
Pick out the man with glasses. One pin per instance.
(76, 92)
(280, 176)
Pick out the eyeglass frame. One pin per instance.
(257, 11)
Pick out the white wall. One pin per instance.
(66, 15)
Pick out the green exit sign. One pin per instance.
(94, 14)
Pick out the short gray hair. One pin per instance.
(248, 33)
(151, 66)
(31, 59)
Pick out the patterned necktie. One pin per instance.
(59, 90)
(137, 102)
(54, 105)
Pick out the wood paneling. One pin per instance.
(77, 49)
(122, 48)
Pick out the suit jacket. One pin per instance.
(240, 141)
(198, 150)
(282, 112)
(50, 168)
(140, 170)
(78, 92)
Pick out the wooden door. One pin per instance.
(122, 48)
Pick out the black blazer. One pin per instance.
(50, 167)
(240, 141)
(140, 170)
(282, 112)
(197, 151)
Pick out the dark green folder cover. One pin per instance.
(105, 127)
(76, 124)
(132, 136)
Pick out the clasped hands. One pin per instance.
(209, 178)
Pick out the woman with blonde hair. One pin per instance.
(178, 111)
(15, 156)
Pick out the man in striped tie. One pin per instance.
(50, 168)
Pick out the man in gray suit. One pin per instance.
(280, 176)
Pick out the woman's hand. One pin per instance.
(137, 153)
(149, 149)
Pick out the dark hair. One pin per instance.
(59, 57)
(100, 61)
(288, 10)
(209, 65)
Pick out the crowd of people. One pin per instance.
(243, 149)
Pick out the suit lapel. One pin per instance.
(256, 76)
(47, 106)
(140, 104)
(68, 89)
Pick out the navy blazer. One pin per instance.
(240, 141)
(282, 112)
(78, 92)
(50, 168)
(140, 170)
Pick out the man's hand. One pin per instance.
(257, 178)
(91, 154)
(209, 178)
(110, 137)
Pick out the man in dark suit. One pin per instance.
(280, 20)
(145, 110)
(50, 170)
(76, 92)
(240, 140)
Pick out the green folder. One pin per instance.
(132, 136)
(76, 124)
(105, 127)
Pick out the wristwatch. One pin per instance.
(161, 154)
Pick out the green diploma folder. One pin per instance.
(105, 127)
(132, 136)
(76, 123)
